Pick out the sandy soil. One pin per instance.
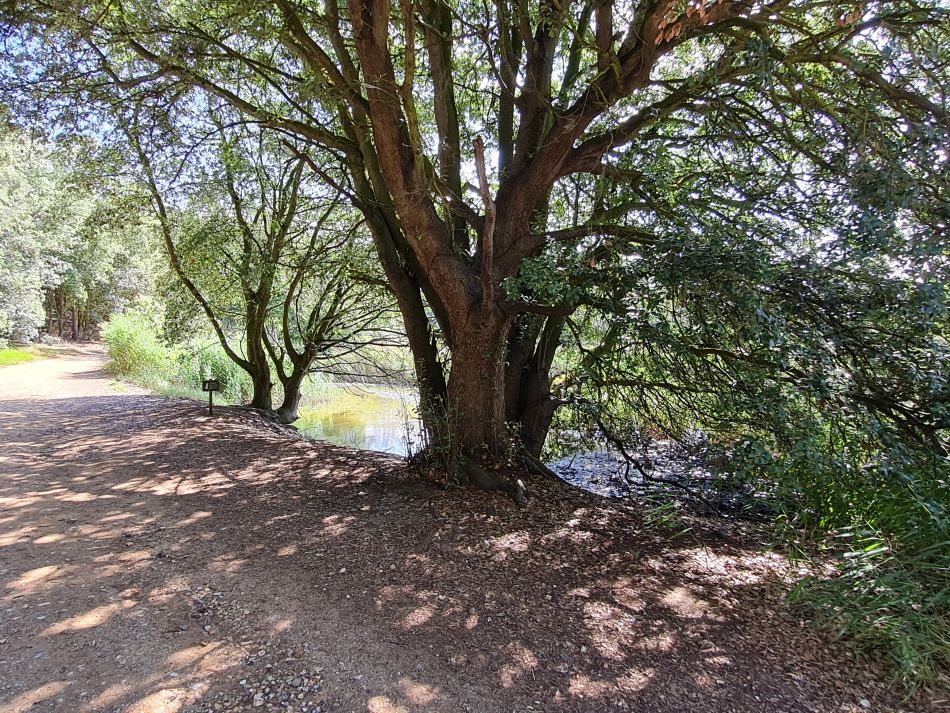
(153, 558)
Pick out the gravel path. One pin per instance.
(155, 559)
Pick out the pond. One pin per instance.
(380, 419)
(360, 416)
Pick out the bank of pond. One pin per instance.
(384, 419)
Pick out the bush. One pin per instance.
(889, 521)
(196, 363)
(892, 600)
(135, 350)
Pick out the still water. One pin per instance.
(379, 419)
(366, 417)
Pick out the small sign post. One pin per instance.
(211, 385)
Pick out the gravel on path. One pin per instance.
(156, 559)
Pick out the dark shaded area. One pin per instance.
(119, 511)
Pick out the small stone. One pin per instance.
(342, 570)
(865, 703)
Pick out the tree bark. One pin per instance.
(263, 390)
(50, 309)
(288, 411)
(529, 406)
(258, 360)
(476, 394)
(60, 308)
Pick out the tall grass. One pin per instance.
(889, 524)
(138, 354)
(891, 600)
(135, 350)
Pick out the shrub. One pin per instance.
(892, 600)
(135, 350)
(196, 363)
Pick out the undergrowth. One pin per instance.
(891, 600)
(888, 523)
(138, 354)
(11, 356)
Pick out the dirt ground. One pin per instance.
(153, 558)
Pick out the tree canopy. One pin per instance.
(69, 255)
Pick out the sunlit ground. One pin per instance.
(153, 558)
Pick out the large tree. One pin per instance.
(493, 146)
(272, 258)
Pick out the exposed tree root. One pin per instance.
(469, 471)
(486, 480)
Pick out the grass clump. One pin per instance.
(889, 524)
(135, 350)
(138, 354)
(11, 356)
(891, 600)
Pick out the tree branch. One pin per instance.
(488, 231)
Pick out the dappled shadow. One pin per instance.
(154, 558)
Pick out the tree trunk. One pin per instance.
(538, 409)
(50, 309)
(476, 388)
(430, 375)
(75, 316)
(529, 406)
(257, 356)
(60, 308)
(263, 388)
(288, 411)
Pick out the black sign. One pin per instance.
(210, 385)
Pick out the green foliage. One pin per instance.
(8, 357)
(195, 362)
(64, 246)
(40, 216)
(135, 350)
(892, 599)
(138, 353)
(749, 214)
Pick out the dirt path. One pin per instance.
(155, 559)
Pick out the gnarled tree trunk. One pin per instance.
(289, 409)
(529, 405)
(476, 386)
(258, 366)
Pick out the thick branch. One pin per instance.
(488, 231)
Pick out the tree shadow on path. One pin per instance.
(153, 557)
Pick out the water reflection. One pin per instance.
(374, 418)
(363, 417)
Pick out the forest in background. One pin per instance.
(647, 221)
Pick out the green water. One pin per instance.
(362, 417)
